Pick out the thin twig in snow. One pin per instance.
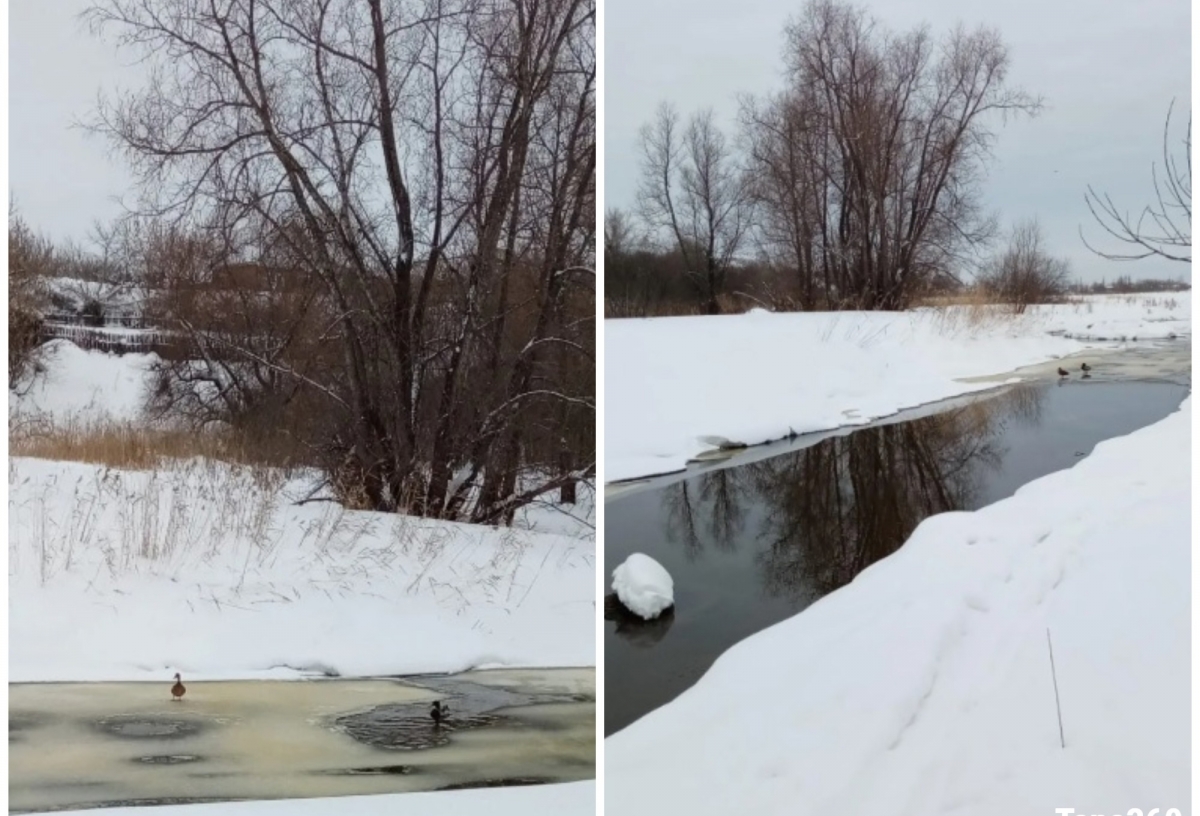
(1057, 704)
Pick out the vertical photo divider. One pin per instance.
(599, 500)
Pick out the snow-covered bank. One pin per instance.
(216, 571)
(571, 799)
(925, 686)
(675, 385)
(203, 568)
(84, 387)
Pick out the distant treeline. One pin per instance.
(645, 282)
(1128, 285)
(641, 281)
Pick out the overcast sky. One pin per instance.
(1107, 70)
(62, 179)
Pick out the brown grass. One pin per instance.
(131, 447)
(616, 308)
(968, 310)
(976, 308)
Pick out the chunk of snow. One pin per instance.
(644, 586)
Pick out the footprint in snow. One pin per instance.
(978, 603)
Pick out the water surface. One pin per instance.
(752, 544)
(74, 745)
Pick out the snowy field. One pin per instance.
(677, 386)
(572, 799)
(217, 571)
(925, 686)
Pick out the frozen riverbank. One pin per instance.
(675, 387)
(219, 570)
(925, 685)
(134, 575)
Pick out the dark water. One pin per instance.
(750, 545)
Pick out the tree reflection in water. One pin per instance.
(711, 507)
(837, 507)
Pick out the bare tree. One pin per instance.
(1162, 229)
(430, 165)
(29, 260)
(252, 338)
(867, 167)
(89, 279)
(693, 189)
(784, 141)
(637, 281)
(619, 235)
(1024, 273)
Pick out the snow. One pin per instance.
(925, 686)
(116, 298)
(644, 586)
(207, 569)
(570, 799)
(548, 516)
(85, 387)
(670, 383)
(217, 571)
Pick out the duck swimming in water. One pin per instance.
(1085, 367)
(438, 712)
(178, 690)
(1062, 372)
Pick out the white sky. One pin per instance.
(1107, 71)
(61, 178)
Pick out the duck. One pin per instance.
(1085, 367)
(438, 711)
(178, 690)
(1062, 372)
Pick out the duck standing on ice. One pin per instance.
(178, 690)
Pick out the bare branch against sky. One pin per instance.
(1162, 228)
(1107, 72)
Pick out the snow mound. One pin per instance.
(644, 586)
